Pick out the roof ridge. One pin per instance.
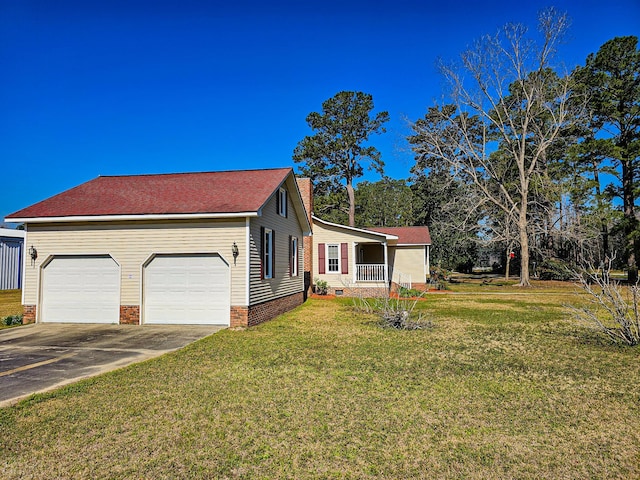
(193, 173)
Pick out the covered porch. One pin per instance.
(371, 262)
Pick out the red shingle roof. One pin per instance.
(179, 193)
(407, 235)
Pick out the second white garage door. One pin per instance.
(186, 289)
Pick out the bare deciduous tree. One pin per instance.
(507, 108)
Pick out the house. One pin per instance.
(11, 258)
(357, 261)
(194, 248)
(409, 259)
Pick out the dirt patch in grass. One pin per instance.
(317, 296)
(322, 392)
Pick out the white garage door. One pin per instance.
(188, 289)
(81, 289)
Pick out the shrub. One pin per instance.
(464, 266)
(439, 278)
(321, 287)
(12, 320)
(408, 292)
(439, 273)
(612, 310)
(395, 313)
(555, 269)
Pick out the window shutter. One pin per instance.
(278, 201)
(262, 252)
(290, 256)
(344, 257)
(286, 204)
(321, 258)
(273, 254)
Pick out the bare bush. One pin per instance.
(612, 309)
(398, 313)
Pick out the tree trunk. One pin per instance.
(352, 204)
(506, 268)
(604, 227)
(630, 219)
(524, 245)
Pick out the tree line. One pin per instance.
(522, 161)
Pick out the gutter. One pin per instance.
(114, 218)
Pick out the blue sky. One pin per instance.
(116, 87)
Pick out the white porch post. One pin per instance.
(354, 269)
(386, 263)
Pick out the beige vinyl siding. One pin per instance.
(410, 260)
(282, 284)
(131, 244)
(328, 234)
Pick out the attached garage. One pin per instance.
(183, 248)
(80, 289)
(186, 289)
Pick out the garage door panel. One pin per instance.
(187, 289)
(81, 289)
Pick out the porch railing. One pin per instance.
(404, 280)
(370, 272)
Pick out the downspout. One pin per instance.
(354, 252)
(247, 248)
(386, 264)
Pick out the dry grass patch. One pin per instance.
(495, 284)
(323, 392)
(10, 304)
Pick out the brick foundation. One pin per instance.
(239, 316)
(130, 314)
(364, 292)
(29, 314)
(255, 314)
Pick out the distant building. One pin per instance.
(11, 258)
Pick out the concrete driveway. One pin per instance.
(37, 358)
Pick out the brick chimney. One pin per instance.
(306, 192)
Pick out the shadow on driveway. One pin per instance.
(41, 357)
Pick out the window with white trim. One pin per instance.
(294, 257)
(282, 202)
(267, 253)
(333, 258)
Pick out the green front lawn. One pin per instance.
(503, 387)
